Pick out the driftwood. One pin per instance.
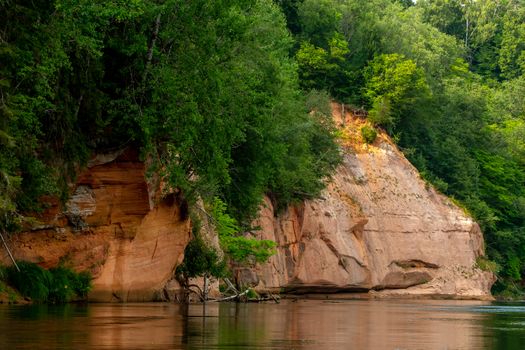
(230, 286)
(277, 301)
(238, 295)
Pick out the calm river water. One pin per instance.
(304, 324)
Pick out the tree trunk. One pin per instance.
(205, 290)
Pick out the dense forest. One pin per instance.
(446, 79)
(217, 95)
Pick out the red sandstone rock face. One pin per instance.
(378, 227)
(110, 228)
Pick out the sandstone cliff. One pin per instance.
(378, 227)
(114, 227)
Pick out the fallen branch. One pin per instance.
(277, 301)
(233, 296)
(230, 286)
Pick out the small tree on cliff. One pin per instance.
(238, 248)
(202, 260)
(199, 260)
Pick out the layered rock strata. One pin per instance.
(378, 227)
(115, 226)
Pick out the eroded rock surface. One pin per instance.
(113, 227)
(378, 227)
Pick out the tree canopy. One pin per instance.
(217, 95)
(446, 79)
(207, 90)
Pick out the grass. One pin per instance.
(7, 294)
(57, 285)
(485, 264)
(369, 134)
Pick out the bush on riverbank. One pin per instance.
(57, 285)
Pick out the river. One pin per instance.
(290, 325)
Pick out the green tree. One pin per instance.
(512, 50)
(240, 248)
(394, 81)
(318, 20)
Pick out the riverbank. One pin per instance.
(27, 282)
(9, 295)
(373, 295)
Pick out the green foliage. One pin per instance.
(482, 212)
(203, 260)
(252, 294)
(58, 285)
(508, 290)
(209, 92)
(318, 102)
(247, 250)
(289, 9)
(200, 260)
(68, 285)
(51, 103)
(206, 90)
(5, 289)
(393, 84)
(318, 20)
(60, 289)
(32, 281)
(512, 48)
(81, 283)
(513, 268)
(239, 248)
(369, 134)
(446, 77)
(501, 184)
(491, 31)
(313, 62)
(487, 265)
(381, 112)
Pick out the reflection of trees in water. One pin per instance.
(360, 324)
(505, 329)
(41, 326)
(305, 325)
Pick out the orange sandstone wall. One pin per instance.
(377, 227)
(114, 227)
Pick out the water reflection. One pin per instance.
(304, 324)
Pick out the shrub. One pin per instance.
(82, 284)
(252, 294)
(241, 249)
(199, 260)
(485, 264)
(369, 134)
(58, 285)
(381, 113)
(32, 281)
(60, 290)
